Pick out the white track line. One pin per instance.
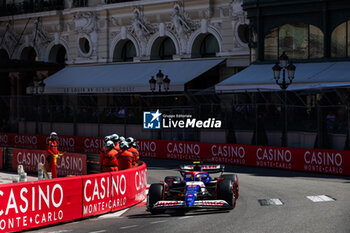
(113, 215)
(156, 222)
(320, 198)
(127, 227)
(184, 217)
(98, 231)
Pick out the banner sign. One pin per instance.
(68, 164)
(1, 157)
(34, 204)
(113, 191)
(129, 187)
(309, 160)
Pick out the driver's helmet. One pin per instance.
(121, 139)
(197, 168)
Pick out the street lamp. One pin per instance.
(284, 85)
(37, 88)
(160, 81)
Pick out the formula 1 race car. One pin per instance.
(195, 189)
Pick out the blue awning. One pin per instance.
(307, 76)
(128, 78)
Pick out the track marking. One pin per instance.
(273, 201)
(127, 227)
(320, 198)
(59, 231)
(113, 215)
(156, 222)
(184, 217)
(98, 231)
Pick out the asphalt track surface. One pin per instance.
(296, 214)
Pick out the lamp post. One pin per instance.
(160, 81)
(284, 83)
(37, 89)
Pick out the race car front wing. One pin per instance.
(208, 204)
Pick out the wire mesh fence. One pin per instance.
(128, 110)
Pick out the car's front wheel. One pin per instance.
(234, 178)
(226, 191)
(155, 194)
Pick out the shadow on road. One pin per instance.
(177, 213)
(158, 164)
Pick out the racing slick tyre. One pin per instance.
(226, 192)
(172, 178)
(155, 194)
(235, 180)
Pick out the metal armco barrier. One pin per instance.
(309, 160)
(29, 205)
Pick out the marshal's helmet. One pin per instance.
(53, 135)
(130, 140)
(109, 144)
(114, 138)
(106, 139)
(124, 145)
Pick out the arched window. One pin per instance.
(209, 46)
(299, 41)
(124, 50)
(58, 54)
(128, 51)
(167, 49)
(29, 54)
(163, 48)
(340, 44)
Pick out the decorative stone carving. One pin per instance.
(140, 25)
(40, 36)
(141, 28)
(85, 22)
(181, 20)
(86, 25)
(182, 25)
(239, 17)
(10, 40)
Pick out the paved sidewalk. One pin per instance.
(7, 176)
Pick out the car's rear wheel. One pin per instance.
(234, 178)
(155, 194)
(226, 191)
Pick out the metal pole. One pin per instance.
(284, 118)
(37, 112)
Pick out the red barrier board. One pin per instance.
(97, 194)
(128, 187)
(34, 204)
(310, 160)
(107, 192)
(1, 157)
(68, 164)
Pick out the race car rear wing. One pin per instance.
(205, 168)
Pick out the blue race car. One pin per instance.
(195, 189)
